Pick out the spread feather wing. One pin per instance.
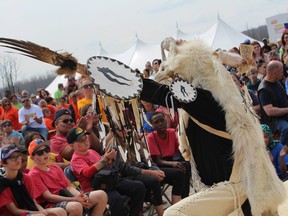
(66, 62)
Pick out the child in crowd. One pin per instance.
(277, 153)
(86, 163)
(17, 190)
(53, 188)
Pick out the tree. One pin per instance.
(8, 72)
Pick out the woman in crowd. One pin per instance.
(11, 136)
(10, 112)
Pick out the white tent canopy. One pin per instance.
(220, 35)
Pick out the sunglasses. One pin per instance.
(6, 125)
(25, 101)
(66, 121)
(15, 158)
(87, 86)
(6, 105)
(41, 152)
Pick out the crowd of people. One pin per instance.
(43, 134)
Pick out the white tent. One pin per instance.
(220, 35)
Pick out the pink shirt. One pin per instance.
(58, 144)
(7, 196)
(81, 161)
(168, 146)
(52, 180)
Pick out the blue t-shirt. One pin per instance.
(276, 157)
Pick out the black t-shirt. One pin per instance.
(276, 96)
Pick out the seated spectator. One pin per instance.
(277, 153)
(11, 113)
(86, 163)
(33, 98)
(53, 158)
(253, 82)
(43, 104)
(24, 93)
(172, 121)
(163, 145)
(31, 118)
(273, 101)
(151, 176)
(62, 103)
(17, 190)
(48, 122)
(242, 88)
(258, 53)
(148, 109)
(15, 102)
(73, 107)
(63, 122)
(261, 66)
(24, 159)
(53, 188)
(11, 136)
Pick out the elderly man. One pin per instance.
(63, 122)
(273, 101)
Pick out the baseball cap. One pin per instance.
(7, 150)
(247, 41)
(36, 144)
(59, 113)
(75, 134)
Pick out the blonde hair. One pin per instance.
(251, 71)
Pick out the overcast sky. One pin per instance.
(78, 26)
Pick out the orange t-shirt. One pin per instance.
(48, 123)
(66, 106)
(12, 115)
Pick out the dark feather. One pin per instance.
(67, 63)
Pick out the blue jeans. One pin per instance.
(42, 131)
(282, 127)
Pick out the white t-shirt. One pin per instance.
(33, 111)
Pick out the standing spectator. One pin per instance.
(48, 122)
(15, 102)
(11, 136)
(73, 107)
(149, 67)
(11, 113)
(17, 190)
(31, 118)
(258, 52)
(266, 48)
(71, 85)
(59, 93)
(284, 49)
(273, 101)
(156, 64)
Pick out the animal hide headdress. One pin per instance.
(195, 62)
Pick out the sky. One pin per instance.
(79, 26)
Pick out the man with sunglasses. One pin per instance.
(53, 188)
(156, 65)
(31, 118)
(63, 122)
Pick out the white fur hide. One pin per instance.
(195, 62)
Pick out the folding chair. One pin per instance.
(69, 174)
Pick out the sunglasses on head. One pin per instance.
(65, 121)
(41, 152)
(25, 101)
(87, 86)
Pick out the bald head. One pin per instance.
(274, 70)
